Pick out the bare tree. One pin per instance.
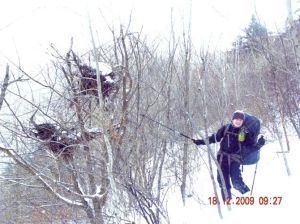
(75, 139)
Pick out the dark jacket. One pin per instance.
(229, 140)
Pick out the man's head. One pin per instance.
(238, 118)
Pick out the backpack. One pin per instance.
(250, 154)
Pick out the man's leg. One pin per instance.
(236, 178)
(226, 174)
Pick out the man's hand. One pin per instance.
(198, 141)
(261, 141)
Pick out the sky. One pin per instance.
(28, 27)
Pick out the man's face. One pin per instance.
(237, 122)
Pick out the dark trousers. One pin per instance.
(231, 171)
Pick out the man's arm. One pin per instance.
(213, 138)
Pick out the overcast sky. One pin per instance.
(27, 27)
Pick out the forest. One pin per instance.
(76, 142)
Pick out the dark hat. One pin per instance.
(238, 114)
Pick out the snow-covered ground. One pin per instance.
(271, 182)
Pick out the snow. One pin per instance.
(271, 181)
(73, 136)
(48, 186)
(94, 130)
(104, 68)
(108, 79)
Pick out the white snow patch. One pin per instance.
(271, 181)
(108, 79)
(94, 130)
(105, 68)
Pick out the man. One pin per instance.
(232, 137)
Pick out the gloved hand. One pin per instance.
(198, 141)
(261, 141)
(245, 129)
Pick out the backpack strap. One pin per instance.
(226, 129)
(230, 157)
(226, 133)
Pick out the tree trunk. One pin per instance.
(186, 73)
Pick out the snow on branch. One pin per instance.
(82, 194)
(26, 166)
(4, 86)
